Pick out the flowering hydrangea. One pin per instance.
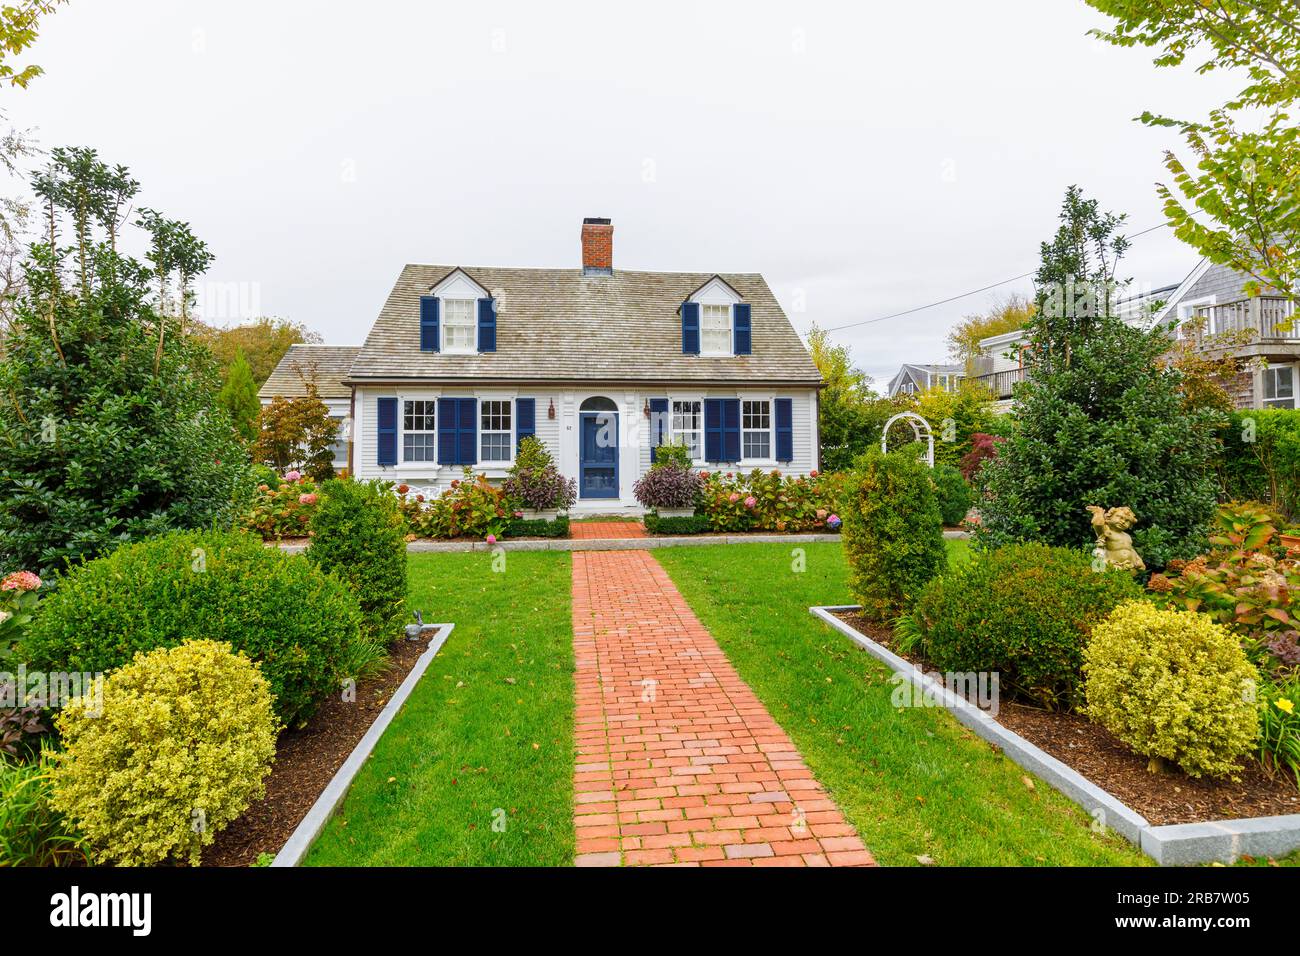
(750, 502)
(310, 498)
(293, 476)
(20, 581)
(833, 522)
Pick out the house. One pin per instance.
(913, 379)
(601, 364)
(1210, 302)
(325, 366)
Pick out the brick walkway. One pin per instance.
(606, 529)
(677, 760)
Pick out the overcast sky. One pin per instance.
(865, 157)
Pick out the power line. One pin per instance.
(964, 295)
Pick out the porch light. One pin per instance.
(550, 412)
(646, 411)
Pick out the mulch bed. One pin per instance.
(305, 762)
(1163, 798)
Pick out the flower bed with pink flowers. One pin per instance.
(283, 506)
(770, 501)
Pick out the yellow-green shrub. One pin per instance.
(182, 746)
(1173, 685)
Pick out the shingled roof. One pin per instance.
(327, 365)
(562, 325)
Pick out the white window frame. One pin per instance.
(445, 326)
(730, 348)
(1187, 309)
(509, 403)
(402, 460)
(673, 431)
(770, 457)
(1264, 376)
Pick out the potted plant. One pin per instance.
(670, 488)
(536, 486)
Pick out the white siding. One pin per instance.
(560, 434)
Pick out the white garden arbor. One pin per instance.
(920, 428)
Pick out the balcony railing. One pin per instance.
(1000, 383)
(1271, 318)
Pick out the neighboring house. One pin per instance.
(914, 379)
(1211, 297)
(601, 365)
(1003, 360)
(326, 366)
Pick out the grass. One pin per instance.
(477, 768)
(914, 781)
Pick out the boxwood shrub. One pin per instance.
(675, 524)
(286, 614)
(177, 749)
(953, 493)
(557, 527)
(1175, 686)
(1023, 611)
(893, 535)
(359, 536)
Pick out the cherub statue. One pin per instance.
(1114, 545)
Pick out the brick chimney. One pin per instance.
(597, 247)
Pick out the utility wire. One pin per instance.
(964, 295)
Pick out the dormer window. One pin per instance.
(715, 329)
(459, 326)
(716, 322)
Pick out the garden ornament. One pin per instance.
(1114, 545)
(417, 630)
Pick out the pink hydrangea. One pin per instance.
(821, 513)
(403, 489)
(833, 522)
(308, 499)
(491, 539)
(750, 502)
(813, 473)
(293, 477)
(20, 581)
(734, 497)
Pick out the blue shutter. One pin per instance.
(713, 429)
(428, 323)
(447, 431)
(731, 429)
(784, 430)
(487, 325)
(525, 419)
(690, 328)
(658, 425)
(467, 432)
(742, 337)
(387, 419)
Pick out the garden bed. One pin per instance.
(1163, 799)
(307, 759)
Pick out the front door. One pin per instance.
(598, 458)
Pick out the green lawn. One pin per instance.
(477, 768)
(913, 781)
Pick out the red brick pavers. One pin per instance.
(677, 761)
(613, 528)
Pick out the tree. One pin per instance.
(238, 396)
(296, 433)
(1008, 315)
(850, 415)
(19, 27)
(1247, 181)
(104, 436)
(264, 342)
(1101, 419)
(954, 417)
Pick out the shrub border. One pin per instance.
(1179, 844)
(305, 834)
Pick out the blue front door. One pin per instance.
(598, 461)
